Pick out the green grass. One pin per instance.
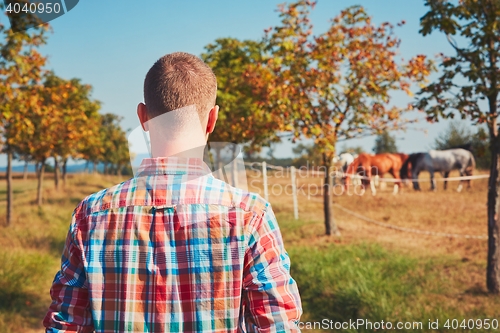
(365, 281)
(22, 302)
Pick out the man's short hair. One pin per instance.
(177, 80)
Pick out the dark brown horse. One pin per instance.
(368, 166)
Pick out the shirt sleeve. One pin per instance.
(70, 307)
(271, 297)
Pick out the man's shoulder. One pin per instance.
(102, 199)
(246, 200)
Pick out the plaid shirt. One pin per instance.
(174, 250)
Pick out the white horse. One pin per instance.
(439, 161)
(344, 160)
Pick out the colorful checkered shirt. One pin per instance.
(174, 250)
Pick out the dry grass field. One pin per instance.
(369, 272)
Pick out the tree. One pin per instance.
(20, 68)
(76, 121)
(457, 134)
(39, 138)
(480, 146)
(241, 118)
(468, 85)
(337, 85)
(385, 143)
(115, 153)
(55, 124)
(93, 147)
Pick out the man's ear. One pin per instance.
(212, 119)
(142, 113)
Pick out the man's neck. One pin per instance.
(192, 149)
(191, 146)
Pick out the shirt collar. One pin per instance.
(173, 166)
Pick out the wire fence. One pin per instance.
(412, 230)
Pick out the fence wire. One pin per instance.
(416, 231)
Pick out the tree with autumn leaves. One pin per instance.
(77, 117)
(329, 87)
(43, 116)
(114, 145)
(20, 70)
(61, 121)
(64, 123)
(244, 121)
(336, 85)
(469, 86)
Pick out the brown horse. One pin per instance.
(368, 165)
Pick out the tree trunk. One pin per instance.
(86, 167)
(40, 181)
(25, 171)
(37, 169)
(493, 267)
(330, 226)
(56, 172)
(64, 171)
(94, 167)
(9, 187)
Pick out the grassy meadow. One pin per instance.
(369, 272)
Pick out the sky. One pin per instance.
(112, 44)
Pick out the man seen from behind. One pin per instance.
(174, 249)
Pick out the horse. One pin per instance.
(344, 160)
(377, 165)
(442, 161)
